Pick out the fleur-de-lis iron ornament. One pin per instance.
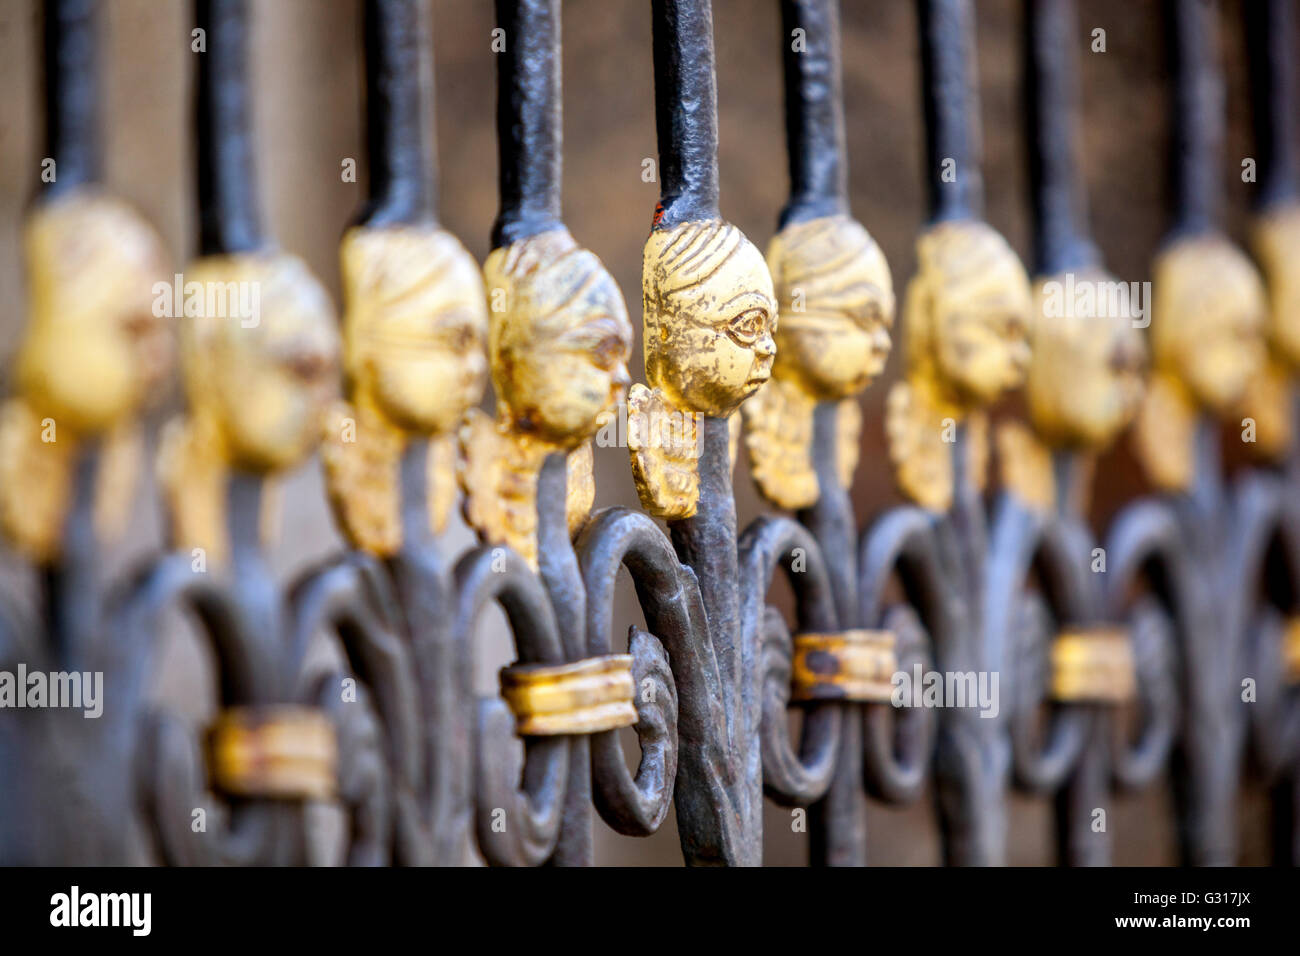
(256, 384)
(836, 302)
(1272, 643)
(965, 319)
(1065, 655)
(351, 689)
(91, 355)
(1207, 337)
(710, 312)
(559, 342)
(414, 347)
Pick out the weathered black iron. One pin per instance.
(1204, 581)
(74, 798)
(971, 759)
(1275, 724)
(1216, 528)
(393, 615)
(1074, 761)
(239, 607)
(897, 757)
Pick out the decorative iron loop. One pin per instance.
(768, 543)
(669, 664)
(515, 827)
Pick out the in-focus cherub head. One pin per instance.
(1208, 325)
(968, 312)
(560, 342)
(415, 325)
(836, 302)
(93, 349)
(710, 315)
(262, 380)
(1277, 245)
(1085, 378)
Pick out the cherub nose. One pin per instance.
(1021, 354)
(622, 377)
(765, 347)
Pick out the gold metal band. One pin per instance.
(1291, 650)
(278, 751)
(1093, 664)
(585, 697)
(848, 665)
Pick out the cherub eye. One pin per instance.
(748, 327)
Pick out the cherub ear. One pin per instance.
(580, 487)
(778, 437)
(922, 458)
(1025, 466)
(663, 443)
(1164, 434)
(848, 420)
(192, 473)
(482, 459)
(440, 475)
(1268, 404)
(361, 458)
(498, 474)
(35, 481)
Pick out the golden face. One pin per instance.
(1208, 325)
(94, 350)
(836, 302)
(710, 314)
(415, 325)
(968, 312)
(559, 337)
(1277, 246)
(263, 378)
(1085, 377)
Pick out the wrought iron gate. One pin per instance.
(983, 636)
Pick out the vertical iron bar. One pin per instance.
(399, 101)
(529, 131)
(1197, 120)
(686, 104)
(951, 100)
(529, 138)
(1271, 34)
(230, 218)
(837, 823)
(814, 111)
(71, 93)
(1061, 240)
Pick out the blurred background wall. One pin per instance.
(306, 57)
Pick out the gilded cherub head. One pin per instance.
(967, 313)
(559, 337)
(1085, 378)
(261, 377)
(1277, 245)
(836, 302)
(710, 314)
(415, 325)
(93, 350)
(1209, 319)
